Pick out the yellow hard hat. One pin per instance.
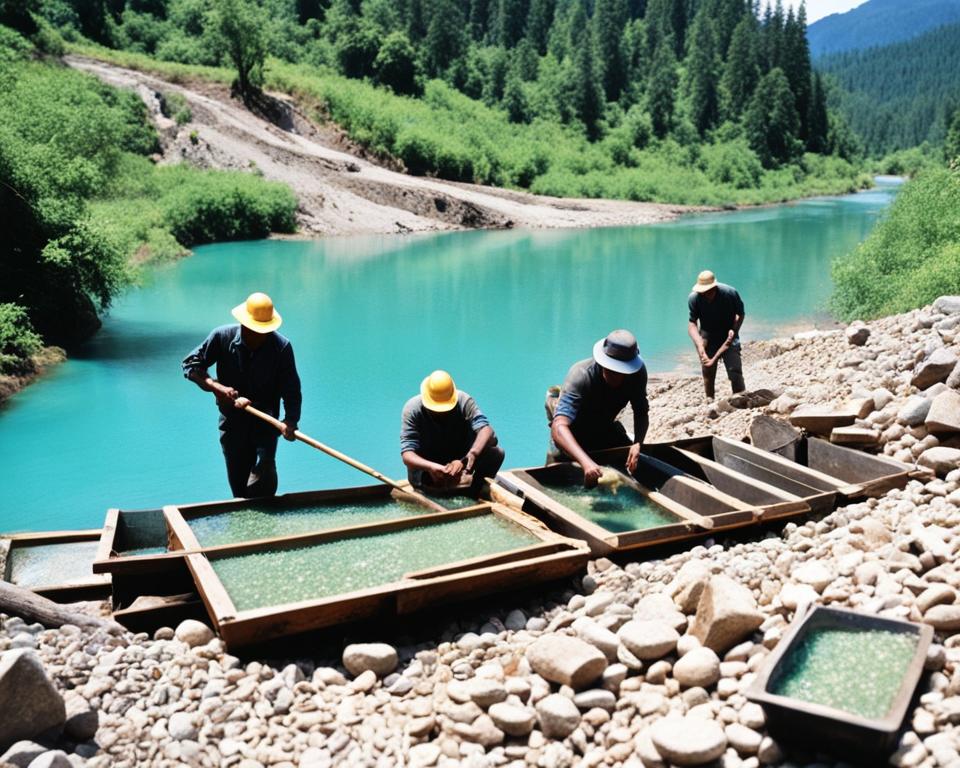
(257, 313)
(439, 392)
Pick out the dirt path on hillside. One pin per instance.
(341, 192)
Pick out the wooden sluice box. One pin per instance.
(657, 505)
(274, 567)
(54, 564)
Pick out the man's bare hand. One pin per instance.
(225, 395)
(453, 472)
(633, 458)
(591, 474)
(241, 402)
(289, 429)
(471, 459)
(704, 360)
(437, 475)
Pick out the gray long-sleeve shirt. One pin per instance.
(265, 376)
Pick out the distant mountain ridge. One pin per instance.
(879, 22)
(900, 95)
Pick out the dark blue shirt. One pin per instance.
(591, 405)
(265, 376)
(716, 317)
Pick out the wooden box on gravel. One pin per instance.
(55, 564)
(656, 505)
(364, 559)
(842, 681)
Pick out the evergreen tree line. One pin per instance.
(902, 95)
(694, 70)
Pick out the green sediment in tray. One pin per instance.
(143, 551)
(856, 671)
(626, 510)
(46, 565)
(267, 522)
(337, 567)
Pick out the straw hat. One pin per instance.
(618, 352)
(257, 313)
(705, 281)
(438, 392)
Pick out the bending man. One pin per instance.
(255, 366)
(445, 437)
(594, 393)
(718, 309)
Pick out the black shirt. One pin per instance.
(716, 317)
(441, 437)
(591, 405)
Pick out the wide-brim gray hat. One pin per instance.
(618, 352)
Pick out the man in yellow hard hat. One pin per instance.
(594, 393)
(716, 314)
(445, 437)
(255, 366)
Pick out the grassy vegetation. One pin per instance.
(447, 134)
(83, 204)
(911, 257)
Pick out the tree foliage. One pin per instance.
(241, 27)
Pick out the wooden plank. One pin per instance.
(140, 564)
(215, 597)
(21, 602)
(55, 537)
(501, 495)
(750, 489)
(790, 469)
(875, 473)
(180, 533)
(481, 561)
(300, 498)
(107, 537)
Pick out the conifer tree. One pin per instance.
(445, 39)
(609, 18)
(480, 19)
(818, 123)
(587, 91)
(771, 121)
(703, 74)
(539, 21)
(742, 70)
(511, 20)
(796, 65)
(661, 89)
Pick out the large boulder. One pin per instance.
(29, 704)
(726, 614)
(379, 657)
(944, 413)
(940, 459)
(937, 367)
(566, 660)
(947, 305)
(688, 740)
(688, 584)
(914, 411)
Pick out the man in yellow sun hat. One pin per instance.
(255, 366)
(445, 437)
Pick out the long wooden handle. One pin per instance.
(303, 438)
(723, 348)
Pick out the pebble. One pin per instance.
(648, 640)
(688, 740)
(194, 633)
(700, 667)
(380, 658)
(558, 716)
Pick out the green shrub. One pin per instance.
(174, 106)
(911, 257)
(18, 341)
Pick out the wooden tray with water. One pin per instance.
(57, 564)
(258, 590)
(657, 513)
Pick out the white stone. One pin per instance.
(648, 640)
(726, 614)
(381, 658)
(512, 719)
(194, 633)
(566, 660)
(688, 740)
(558, 716)
(700, 667)
(182, 725)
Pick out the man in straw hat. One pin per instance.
(444, 437)
(594, 393)
(718, 309)
(255, 366)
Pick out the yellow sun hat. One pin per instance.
(705, 281)
(257, 313)
(439, 392)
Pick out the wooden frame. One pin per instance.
(551, 558)
(661, 483)
(864, 474)
(96, 587)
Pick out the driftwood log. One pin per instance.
(17, 601)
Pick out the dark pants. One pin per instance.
(250, 456)
(488, 463)
(598, 438)
(733, 365)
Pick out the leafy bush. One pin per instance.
(911, 257)
(18, 341)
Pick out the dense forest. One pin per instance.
(902, 95)
(81, 200)
(879, 23)
(716, 92)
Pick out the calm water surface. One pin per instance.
(505, 312)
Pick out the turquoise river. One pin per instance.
(505, 312)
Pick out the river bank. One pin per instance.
(41, 363)
(341, 190)
(497, 683)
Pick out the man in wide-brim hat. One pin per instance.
(716, 314)
(254, 366)
(594, 393)
(445, 438)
